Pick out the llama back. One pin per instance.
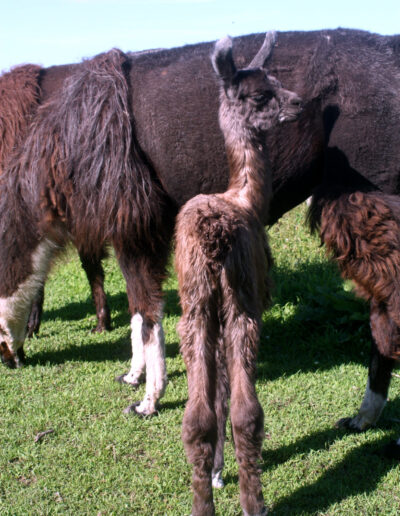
(217, 244)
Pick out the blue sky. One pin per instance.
(60, 31)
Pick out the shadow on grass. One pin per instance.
(318, 324)
(93, 352)
(359, 472)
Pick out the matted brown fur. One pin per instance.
(19, 98)
(362, 231)
(80, 166)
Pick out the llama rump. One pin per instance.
(222, 260)
(77, 176)
(20, 95)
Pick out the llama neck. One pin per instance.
(249, 174)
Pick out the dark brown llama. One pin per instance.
(346, 139)
(20, 95)
(78, 176)
(222, 261)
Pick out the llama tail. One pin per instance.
(362, 232)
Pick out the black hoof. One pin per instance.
(392, 451)
(345, 422)
(131, 409)
(101, 328)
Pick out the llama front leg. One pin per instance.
(247, 416)
(15, 308)
(35, 316)
(95, 275)
(383, 330)
(143, 280)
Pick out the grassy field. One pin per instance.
(98, 461)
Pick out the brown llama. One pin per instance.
(78, 176)
(222, 261)
(20, 96)
(362, 232)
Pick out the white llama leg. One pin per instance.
(138, 364)
(370, 410)
(14, 310)
(156, 374)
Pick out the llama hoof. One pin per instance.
(11, 360)
(217, 481)
(264, 512)
(122, 379)
(101, 327)
(351, 423)
(392, 450)
(135, 409)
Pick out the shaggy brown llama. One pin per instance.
(361, 231)
(20, 96)
(222, 261)
(78, 175)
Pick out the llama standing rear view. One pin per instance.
(222, 261)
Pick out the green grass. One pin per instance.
(98, 461)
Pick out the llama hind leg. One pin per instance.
(15, 309)
(35, 316)
(199, 426)
(247, 416)
(379, 373)
(144, 279)
(221, 410)
(95, 275)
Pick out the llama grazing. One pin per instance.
(20, 96)
(222, 261)
(75, 177)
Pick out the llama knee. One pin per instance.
(248, 420)
(199, 435)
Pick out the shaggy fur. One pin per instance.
(79, 174)
(222, 260)
(362, 232)
(20, 95)
(19, 98)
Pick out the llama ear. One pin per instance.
(222, 60)
(265, 51)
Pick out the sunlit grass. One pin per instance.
(98, 461)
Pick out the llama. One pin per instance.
(347, 137)
(78, 175)
(222, 261)
(361, 232)
(20, 95)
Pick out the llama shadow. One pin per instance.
(338, 482)
(321, 310)
(343, 480)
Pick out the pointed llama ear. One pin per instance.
(265, 51)
(222, 60)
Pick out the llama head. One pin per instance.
(251, 100)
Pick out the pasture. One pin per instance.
(98, 461)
